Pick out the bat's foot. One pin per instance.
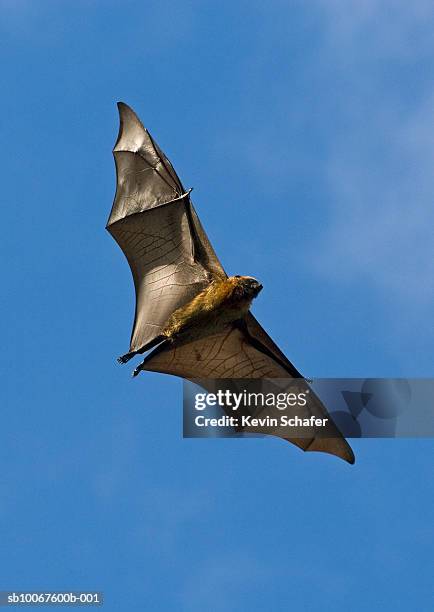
(157, 340)
(125, 358)
(137, 371)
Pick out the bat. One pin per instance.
(196, 319)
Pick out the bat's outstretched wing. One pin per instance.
(156, 226)
(154, 222)
(246, 352)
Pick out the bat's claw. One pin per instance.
(125, 358)
(137, 371)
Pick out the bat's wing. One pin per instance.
(157, 228)
(246, 352)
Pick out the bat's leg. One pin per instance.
(159, 348)
(138, 369)
(125, 358)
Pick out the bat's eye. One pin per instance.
(237, 276)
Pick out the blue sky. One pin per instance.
(306, 131)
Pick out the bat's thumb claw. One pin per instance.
(136, 372)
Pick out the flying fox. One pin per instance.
(194, 316)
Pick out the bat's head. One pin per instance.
(249, 286)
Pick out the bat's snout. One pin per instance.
(254, 285)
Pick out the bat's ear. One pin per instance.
(132, 134)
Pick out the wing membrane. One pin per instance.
(156, 226)
(231, 355)
(159, 250)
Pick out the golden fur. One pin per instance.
(222, 302)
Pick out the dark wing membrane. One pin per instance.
(145, 177)
(231, 355)
(156, 226)
(258, 333)
(158, 246)
(203, 249)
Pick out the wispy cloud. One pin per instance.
(223, 581)
(379, 169)
(167, 514)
